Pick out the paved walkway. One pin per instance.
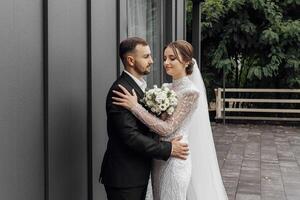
(259, 162)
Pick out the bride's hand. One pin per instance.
(125, 100)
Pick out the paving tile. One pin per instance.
(249, 163)
(248, 187)
(259, 161)
(273, 196)
(243, 196)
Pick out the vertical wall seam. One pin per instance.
(45, 98)
(118, 36)
(184, 19)
(176, 20)
(89, 103)
(162, 38)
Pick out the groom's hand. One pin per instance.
(179, 150)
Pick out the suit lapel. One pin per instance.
(134, 85)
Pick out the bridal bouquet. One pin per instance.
(160, 100)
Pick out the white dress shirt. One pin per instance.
(140, 82)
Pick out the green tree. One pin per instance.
(256, 41)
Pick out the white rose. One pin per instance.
(167, 89)
(170, 110)
(149, 96)
(160, 97)
(153, 109)
(158, 110)
(173, 101)
(149, 103)
(164, 85)
(149, 91)
(156, 90)
(167, 103)
(163, 107)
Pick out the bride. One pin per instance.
(198, 177)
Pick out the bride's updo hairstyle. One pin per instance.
(186, 51)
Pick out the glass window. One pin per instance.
(144, 20)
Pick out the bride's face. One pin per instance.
(174, 67)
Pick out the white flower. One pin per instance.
(170, 110)
(153, 109)
(163, 107)
(165, 88)
(149, 96)
(149, 103)
(156, 90)
(173, 101)
(167, 103)
(172, 93)
(150, 92)
(160, 100)
(160, 97)
(157, 109)
(164, 85)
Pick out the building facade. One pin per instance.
(58, 59)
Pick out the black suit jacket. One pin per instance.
(131, 146)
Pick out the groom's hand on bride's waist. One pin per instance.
(179, 149)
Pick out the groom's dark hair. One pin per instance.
(128, 45)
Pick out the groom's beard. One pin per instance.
(147, 72)
(144, 72)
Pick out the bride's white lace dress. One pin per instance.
(170, 179)
(198, 177)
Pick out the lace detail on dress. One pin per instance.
(163, 128)
(170, 179)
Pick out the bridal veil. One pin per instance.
(206, 181)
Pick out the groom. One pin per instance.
(131, 146)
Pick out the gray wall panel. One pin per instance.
(180, 23)
(104, 72)
(21, 102)
(67, 100)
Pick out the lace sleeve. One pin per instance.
(164, 128)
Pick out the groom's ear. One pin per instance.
(130, 60)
